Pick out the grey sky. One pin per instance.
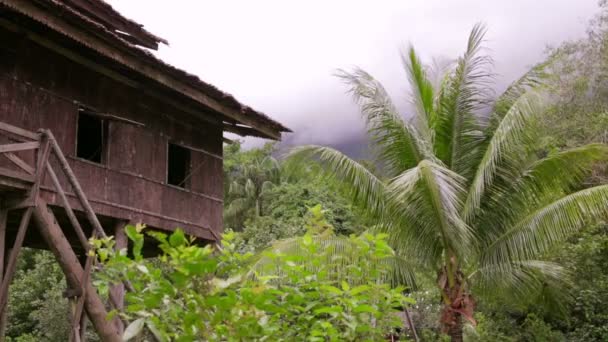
(278, 56)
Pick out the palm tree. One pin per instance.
(249, 190)
(466, 195)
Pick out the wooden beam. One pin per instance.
(74, 273)
(244, 131)
(16, 202)
(118, 290)
(78, 309)
(18, 131)
(67, 207)
(83, 328)
(19, 147)
(19, 162)
(22, 176)
(42, 158)
(3, 316)
(3, 219)
(107, 116)
(12, 184)
(12, 260)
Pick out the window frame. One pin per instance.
(105, 137)
(187, 182)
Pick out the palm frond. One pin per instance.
(267, 186)
(272, 169)
(524, 282)
(423, 94)
(542, 182)
(364, 188)
(505, 145)
(251, 189)
(400, 144)
(458, 131)
(236, 208)
(533, 79)
(537, 232)
(429, 197)
(236, 189)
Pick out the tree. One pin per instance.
(469, 196)
(36, 307)
(250, 188)
(286, 210)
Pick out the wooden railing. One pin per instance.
(44, 145)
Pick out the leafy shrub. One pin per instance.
(206, 293)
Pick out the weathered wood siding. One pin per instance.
(42, 89)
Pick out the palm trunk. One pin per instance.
(457, 303)
(258, 208)
(454, 330)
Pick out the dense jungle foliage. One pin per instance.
(269, 203)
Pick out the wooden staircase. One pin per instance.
(26, 182)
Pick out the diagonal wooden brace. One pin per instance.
(74, 273)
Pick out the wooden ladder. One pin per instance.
(87, 301)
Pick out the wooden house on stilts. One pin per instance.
(96, 132)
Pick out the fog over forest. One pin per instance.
(281, 59)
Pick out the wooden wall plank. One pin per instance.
(48, 95)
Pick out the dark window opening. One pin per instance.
(91, 137)
(178, 165)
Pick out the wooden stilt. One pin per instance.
(78, 309)
(118, 291)
(84, 298)
(3, 313)
(12, 260)
(83, 328)
(74, 336)
(410, 324)
(74, 273)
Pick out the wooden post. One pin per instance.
(74, 273)
(118, 290)
(3, 316)
(410, 323)
(77, 316)
(12, 260)
(83, 328)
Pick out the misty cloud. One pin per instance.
(279, 56)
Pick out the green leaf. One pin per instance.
(134, 329)
(345, 286)
(329, 310)
(360, 289)
(331, 289)
(132, 233)
(365, 308)
(159, 335)
(142, 269)
(178, 238)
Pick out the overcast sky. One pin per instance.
(279, 56)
